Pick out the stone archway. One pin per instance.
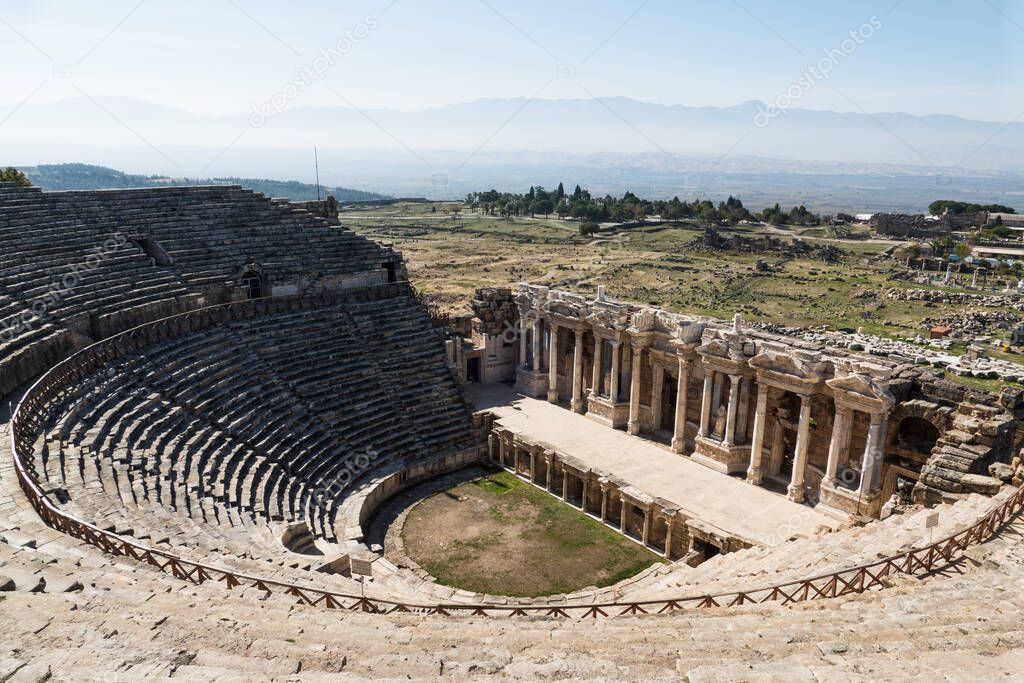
(255, 282)
(914, 431)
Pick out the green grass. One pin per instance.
(495, 484)
(545, 530)
(991, 385)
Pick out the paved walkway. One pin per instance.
(727, 502)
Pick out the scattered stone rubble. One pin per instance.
(920, 351)
(943, 297)
(972, 323)
(712, 240)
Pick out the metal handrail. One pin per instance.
(27, 425)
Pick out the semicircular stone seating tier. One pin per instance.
(76, 267)
(220, 442)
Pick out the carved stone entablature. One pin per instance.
(853, 366)
(644, 320)
(862, 392)
(724, 355)
(566, 306)
(608, 317)
(796, 371)
(688, 332)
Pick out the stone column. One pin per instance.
(604, 502)
(645, 535)
(730, 415)
(743, 411)
(754, 472)
(549, 461)
(616, 370)
(796, 486)
(538, 341)
(633, 426)
(533, 464)
(577, 374)
(658, 381)
(522, 341)
(874, 452)
(565, 485)
(669, 524)
(840, 442)
(705, 405)
(622, 513)
(595, 384)
(493, 446)
(553, 363)
(583, 493)
(679, 436)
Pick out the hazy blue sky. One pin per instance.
(959, 57)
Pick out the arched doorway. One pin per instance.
(252, 281)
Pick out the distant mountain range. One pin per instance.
(56, 177)
(831, 160)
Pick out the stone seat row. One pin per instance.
(248, 423)
(802, 557)
(208, 234)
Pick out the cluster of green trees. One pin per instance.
(581, 205)
(937, 208)
(13, 175)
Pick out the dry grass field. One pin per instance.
(660, 265)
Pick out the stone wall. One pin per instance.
(905, 226)
(495, 309)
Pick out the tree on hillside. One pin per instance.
(13, 175)
(560, 193)
(963, 250)
(774, 215)
(937, 208)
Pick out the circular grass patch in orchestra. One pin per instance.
(500, 535)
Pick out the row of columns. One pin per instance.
(755, 472)
(500, 453)
(874, 450)
(736, 414)
(535, 346)
(736, 409)
(614, 391)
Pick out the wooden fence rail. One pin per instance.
(33, 413)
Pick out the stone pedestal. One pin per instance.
(533, 383)
(848, 502)
(721, 457)
(602, 410)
